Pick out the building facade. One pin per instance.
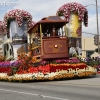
(88, 47)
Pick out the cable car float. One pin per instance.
(48, 38)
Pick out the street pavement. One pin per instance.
(70, 89)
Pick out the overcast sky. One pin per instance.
(44, 8)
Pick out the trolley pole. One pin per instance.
(97, 27)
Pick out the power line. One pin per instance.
(89, 33)
(92, 5)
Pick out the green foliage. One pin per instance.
(60, 13)
(93, 63)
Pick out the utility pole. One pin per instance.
(97, 26)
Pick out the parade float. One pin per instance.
(48, 51)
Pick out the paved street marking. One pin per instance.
(42, 96)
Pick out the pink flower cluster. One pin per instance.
(32, 24)
(2, 27)
(18, 15)
(66, 9)
(71, 60)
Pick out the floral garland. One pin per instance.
(66, 9)
(18, 15)
(32, 24)
(2, 27)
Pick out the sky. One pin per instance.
(44, 8)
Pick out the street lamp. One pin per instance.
(97, 23)
(97, 27)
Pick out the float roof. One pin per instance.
(50, 20)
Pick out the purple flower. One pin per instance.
(1, 64)
(7, 63)
(43, 62)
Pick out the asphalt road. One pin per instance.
(73, 89)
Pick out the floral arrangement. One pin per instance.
(58, 74)
(66, 9)
(32, 24)
(28, 68)
(18, 15)
(2, 27)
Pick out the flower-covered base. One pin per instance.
(59, 74)
(28, 68)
